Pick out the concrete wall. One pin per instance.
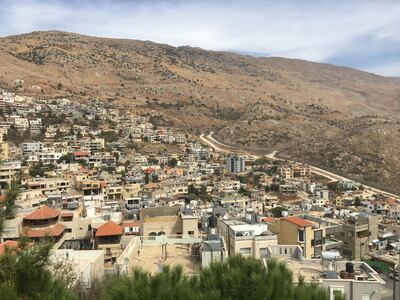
(170, 225)
(353, 290)
(190, 224)
(256, 244)
(79, 228)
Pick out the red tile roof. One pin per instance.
(11, 245)
(109, 228)
(81, 153)
(268, 219)
(37, 233)
(130, 224)
(298, 221)
(43, 213)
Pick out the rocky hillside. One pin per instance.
(336, 117)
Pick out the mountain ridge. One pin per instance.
(314, 112)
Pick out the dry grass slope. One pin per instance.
(338, 117)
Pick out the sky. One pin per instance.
(362, 34)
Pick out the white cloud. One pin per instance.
(296, 29)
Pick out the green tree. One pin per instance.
(7, 208)
(152, 161)
(277, 211)
(357, 202)
(37, 170)
(25, 274)
(244, 191)
(236, 278)
(66, 158)
(172, 162)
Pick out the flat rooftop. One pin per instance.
(150, 258)
(313, 270)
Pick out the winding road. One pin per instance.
(221, 147)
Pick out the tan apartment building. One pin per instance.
(359, 230)
(297, 231)
(167, 221)
(9, 172)
(246, 239)
(4, 154)
(90, 187)
(48, 185)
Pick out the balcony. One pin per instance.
(331, 243)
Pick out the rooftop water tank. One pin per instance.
(349, 267)
(330, 255)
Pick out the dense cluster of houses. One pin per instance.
(114, 190)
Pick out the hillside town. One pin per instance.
(114, 189)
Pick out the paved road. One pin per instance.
(387, 291)
(221, 147)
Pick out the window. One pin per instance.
(263, 252)
(336, 292)
(152, 235)
(190, 232)
(245, 251)
(300, 235)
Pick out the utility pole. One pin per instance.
(394, 279)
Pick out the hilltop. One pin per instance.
(339, 118)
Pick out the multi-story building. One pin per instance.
(355, 280)
(35, 125)
(49, 157)
(90, 187)
(94, 144)
(232, 198)
(309, 236)
(169, 221)
(288, 189)
(235, 164)
(246, 239)
(9, 172)
(108, 238)
(43, 223)
(48, 186)
(4, 154)
(31, 148)
(3, 132)
(21, 123)
(358, 231)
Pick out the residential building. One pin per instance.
(235, 164)
(246, 239)
(293, 230)
(359, 230)
(169, 220)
